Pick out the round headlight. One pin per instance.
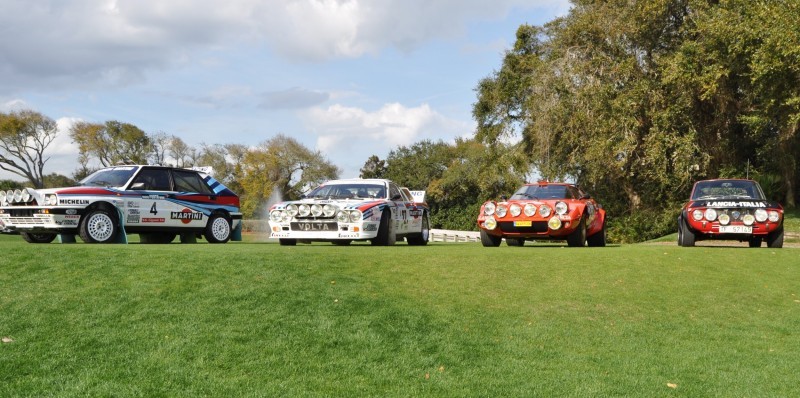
(529, 210)
(774, 216)
(328, 210)
(515, 210)
(697, 214)
(748, 219)
(554, 223)
(303, 210)
(292, 210)
(761, 215)
(316, 210)
(17, 195)
(724, 219)
(711, 214)
(355, 215)
(275, 215)
(10, 196)
(561, 208)
(2, 196)
(342, 216)
(490, 223)
(501, 210)
(544, 211)
(26, 195)
(285, 217)
(489, 208)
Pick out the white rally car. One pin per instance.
(156, 202)
(341, 211)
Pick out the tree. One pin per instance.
(24, 137)
(374, 167)
(161, 142)
(55, 180)
(280, 168)
(111, 143)
(180, 151)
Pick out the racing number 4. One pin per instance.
(153, 209)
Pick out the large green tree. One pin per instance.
(280, 168)
(636, 100)
(24, 137)
(111, 143)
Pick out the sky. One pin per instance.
(349, 78)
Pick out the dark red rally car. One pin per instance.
(730, 209)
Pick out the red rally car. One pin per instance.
(544, 211)
(730, 209)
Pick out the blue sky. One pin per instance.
(350, 78)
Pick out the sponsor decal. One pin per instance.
(133, 212)
(72, 217)
(132, 219)
(735, 204)
(73, 201)
(67, 222)
(415, 213)
(154, 197)
(186, 216)
(348, 236)
(132, 204)
(151, 219)
(370, 227)
(72, 211)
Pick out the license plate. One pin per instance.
(314, 226)
(735, 229)
(522, 223)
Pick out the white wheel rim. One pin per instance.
(100, 227)
(220, 229)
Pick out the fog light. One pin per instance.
(724, 219)
(554, 223)
(748, 219)
(490, 223)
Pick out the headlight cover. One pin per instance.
(724, 219)
(50, 200)
(355, 215)
(490, 223)
(316, 210)
(554, 223)
(761, 215)
(501, 210)
(697, 214)
(489, 208)
(711, 214)
(544, 211)
(303, 210)
(561, 208)
(774, 216)
(748, 219)
(515, 210)
(276, 215)
(292, 210)
(328, 210)
(529, 210)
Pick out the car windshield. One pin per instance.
(348, 191)
(110, 177)
(541, 192)
(727, 189)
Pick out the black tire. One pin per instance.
(421, 239)
(515, 242)
(488, 240)
(754, 242)
(686, 237)
(99, 226)
(218, 229)
(31, 237)
(345, 242)
(598, 239)
(157, 238)
(288, 242)
(386, 233)
(775, 239)
(578, 237)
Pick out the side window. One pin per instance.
(394, 191)
(187, 181)
(154, 179)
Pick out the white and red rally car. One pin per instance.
(156, 202)
(342, 211)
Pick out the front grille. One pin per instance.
(27, 221)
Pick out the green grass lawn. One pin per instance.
(259, 319)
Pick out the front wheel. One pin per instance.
(37, 238)
(775, 239)
(386, 233)
(218, 229)
(99, 226)
(421, 239)
(578, 237)
(488, 240)
(686, 237)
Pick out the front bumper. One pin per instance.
(530, 227)
(39, 219)
(330, 231)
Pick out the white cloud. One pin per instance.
(348, 135)
(84, 42)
